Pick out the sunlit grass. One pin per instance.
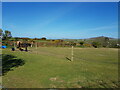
(47, 67)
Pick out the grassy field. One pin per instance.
(49, 67)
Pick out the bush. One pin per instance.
(96, 44)
(87, 45)
(81, 43)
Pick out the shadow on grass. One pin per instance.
(68, 58)
(9, 62)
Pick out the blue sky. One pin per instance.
(56, 20)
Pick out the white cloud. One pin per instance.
(103, 28)
(100, 28)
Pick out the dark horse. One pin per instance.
(25, 45)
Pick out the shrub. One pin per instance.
(87, 45)
(81, 43)
(96, 44)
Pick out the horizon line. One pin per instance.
(70, 38)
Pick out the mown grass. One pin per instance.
(47, 67)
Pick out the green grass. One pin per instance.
(47, 67)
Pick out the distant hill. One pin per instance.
(101, 37)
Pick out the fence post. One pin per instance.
(72, 54)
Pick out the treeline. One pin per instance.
(96, 42)
(7, 35)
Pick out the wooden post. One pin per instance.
(36, 47)
(72, 54)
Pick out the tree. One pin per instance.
(43, 38)
(7, 34)
(1, 33)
